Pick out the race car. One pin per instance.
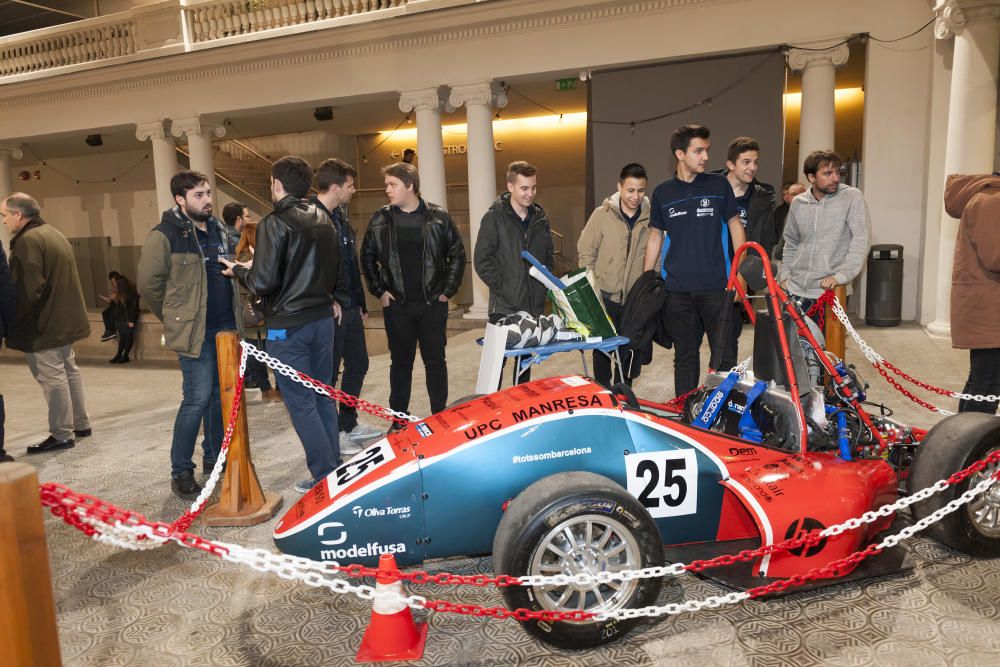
(562, 476)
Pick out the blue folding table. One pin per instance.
(538, 354)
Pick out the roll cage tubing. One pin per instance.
(779, 303)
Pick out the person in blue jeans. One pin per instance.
(295, 267)
(182, 282)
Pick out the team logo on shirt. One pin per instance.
(705, 209)
(673, 213)
(743, 216)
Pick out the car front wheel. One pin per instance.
(573, 523)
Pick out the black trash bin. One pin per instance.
(884, 294)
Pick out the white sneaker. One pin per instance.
(349, 448)
(361, 433)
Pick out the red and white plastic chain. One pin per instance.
(818, 308)
(325, 390)
(811, 539)
(881, 365)
(72, 506)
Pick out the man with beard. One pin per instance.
(181, 280)
(826, 232)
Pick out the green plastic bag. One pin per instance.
(580, 307)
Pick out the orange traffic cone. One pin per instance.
(392, 634)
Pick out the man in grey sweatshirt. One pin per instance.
(826, 234)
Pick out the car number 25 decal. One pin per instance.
(666, 483)
(371, 458)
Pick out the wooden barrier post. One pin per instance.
(834, 329)
(242, 502)
(28, 633)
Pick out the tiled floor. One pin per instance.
(174, 606)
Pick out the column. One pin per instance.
(199, 135)
(164, 159)
(818, 116)
(428, 103)
(479, 99)
(972, 116)
(8, 152)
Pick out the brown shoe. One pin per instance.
(271, 395)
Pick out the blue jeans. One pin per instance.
(309, 348)
(201, 403)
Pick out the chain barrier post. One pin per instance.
(243, 502)
(835, 340)
(28, 632)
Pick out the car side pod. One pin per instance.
(392, 634)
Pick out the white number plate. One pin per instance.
(666, 483)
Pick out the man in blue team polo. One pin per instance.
(692, 218)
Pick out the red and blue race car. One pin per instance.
(565, 476)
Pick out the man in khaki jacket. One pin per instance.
(613, 245)
(181, 280)
(975, 283)
(49, 316)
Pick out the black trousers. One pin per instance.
(692, 315)
(108, 315)
(406, 326)
(984, 378)
(256, 372)
(602, 363)
(349, 346)
(126, 339)
(3, 418)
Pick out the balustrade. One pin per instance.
(72, 47)
(218, 19)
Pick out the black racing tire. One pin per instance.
(591, 504)
(950, 446)
(464, 399)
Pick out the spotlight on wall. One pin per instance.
(323, 113)
(94, 140)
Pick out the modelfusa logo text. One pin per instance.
(336, 533)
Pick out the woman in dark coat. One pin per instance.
(126, 317)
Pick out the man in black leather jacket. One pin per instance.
(413, 260)
(294, 270)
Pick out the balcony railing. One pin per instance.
(69, 46)
(215, 19)
(171, 27)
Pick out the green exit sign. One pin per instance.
(566, 84)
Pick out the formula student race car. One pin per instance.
(562, 475)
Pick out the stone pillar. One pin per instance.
(164, 159)
(479, 99)
(818, 115)
(428, 103)
(7, 153)
(972, 116)
(199, 139)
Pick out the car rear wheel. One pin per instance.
(573, 523)
(952, 445)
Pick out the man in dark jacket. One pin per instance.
(335, 179)
(413, 260)
(294, 269)
(514, 223)
(49, 316)
(755, 201)
(182, 283)
(6, 319)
